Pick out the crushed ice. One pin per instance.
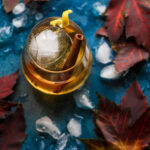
(46, 125)
(98, 8)
(19, 8)
(103, 53)
(74, 126)
(82, 99)
(109, 72)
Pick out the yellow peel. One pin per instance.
(57, 22)
(62, 22)
(65, 18)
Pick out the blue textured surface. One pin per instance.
(62, 109)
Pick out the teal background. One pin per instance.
(62, 108)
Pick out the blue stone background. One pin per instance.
(62, 109)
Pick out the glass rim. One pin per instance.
(59, 71)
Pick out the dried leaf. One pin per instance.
(131, 15)
(138, 21)
(111, 120)
(135, 101)
(115, 21)
(6, 84)
(141, 130)
(129, 54)
(126, 126)
(5, 107)
(12, 130)
(9, 5)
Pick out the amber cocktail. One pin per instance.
(45, 55)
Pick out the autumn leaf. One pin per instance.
(128, 54)
(12, 130)
(6, 84)
(138, 21)
(131, 15)
(115, 21)
(111, 120)
(5, 107)
(125, 126)
(135, 101)
(9, 5)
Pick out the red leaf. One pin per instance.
(131, 15)
(128, 55)
(135, 101)
(141, 130)
(138, 21)
(5, 107)
(102, 32)
(6, 84)
(115, 21)
(9, 5)
(12, 130)
(126, 126)
(111, 120)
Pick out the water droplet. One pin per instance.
(46, 125)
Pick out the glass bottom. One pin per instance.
(57, 88)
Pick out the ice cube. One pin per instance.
(104, 53)
(20, 21)
(6, 33)
(74, 127)
(19, 8)
(46, 125)
(110, 73)
(98, 8)
(33, 47)
(50, 46)
(47, 44)
(62, 142)
(82, 99)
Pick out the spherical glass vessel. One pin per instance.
(45, 73)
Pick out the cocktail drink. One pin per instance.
(56, 59)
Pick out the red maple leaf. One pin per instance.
(131, 15)
(115, 21)
(128, 54)
(126, 126)
(12, 130)
(6, 84)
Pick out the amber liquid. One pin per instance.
(59, 82)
